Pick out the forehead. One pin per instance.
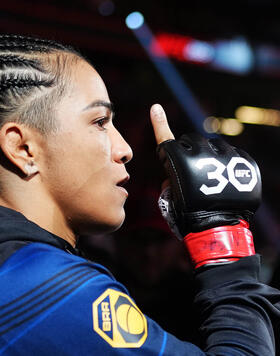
(86, 87)
(87, 84)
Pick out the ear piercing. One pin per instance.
(30, 168)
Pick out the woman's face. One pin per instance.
(84, 160)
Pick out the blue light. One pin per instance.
(134, 20)
(235, 56)
(173, 79)
(199, 51)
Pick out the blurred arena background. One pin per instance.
(215, 67)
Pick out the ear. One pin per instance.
(18, 147)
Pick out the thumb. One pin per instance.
(160, 125)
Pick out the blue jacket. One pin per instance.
(54, 302)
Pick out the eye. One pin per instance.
(101, 123)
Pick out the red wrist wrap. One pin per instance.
(220, 244)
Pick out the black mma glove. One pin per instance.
(215, 189)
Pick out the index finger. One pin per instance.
(160, 124)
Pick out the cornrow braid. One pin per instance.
(27, 44)
(18, 61)
(34, 75)
(17, 83)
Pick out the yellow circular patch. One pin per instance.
(130, 319)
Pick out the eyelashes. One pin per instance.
(102, 122)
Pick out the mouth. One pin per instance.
(122, 182)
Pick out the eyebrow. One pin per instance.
(107, 104)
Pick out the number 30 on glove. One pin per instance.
(214, 191)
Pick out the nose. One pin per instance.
(121, 151)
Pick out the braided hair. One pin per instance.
(33, 77)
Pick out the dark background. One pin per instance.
(143, 254)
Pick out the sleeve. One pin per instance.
(236, 310)
(80, 309)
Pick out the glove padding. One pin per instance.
(212, 183)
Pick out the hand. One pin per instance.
(212, 183)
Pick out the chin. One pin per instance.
(99, 227)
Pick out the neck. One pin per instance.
(37, 207)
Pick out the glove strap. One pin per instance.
(221, 244)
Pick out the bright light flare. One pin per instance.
(258, 116)
(211, 124)
(134, 20)
(231, 127)
(225, 126)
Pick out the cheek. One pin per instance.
(78, 163)
(81, 179)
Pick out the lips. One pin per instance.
(120, 185)
(122, 182)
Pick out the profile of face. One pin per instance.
(84, 160)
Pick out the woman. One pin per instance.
(62, 175)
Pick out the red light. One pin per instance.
(182, 48)
(170, 45)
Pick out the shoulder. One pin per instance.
(39, 253)
(60, 302)
(39, 264)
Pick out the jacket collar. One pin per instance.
(15, 226)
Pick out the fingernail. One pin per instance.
(157, 110)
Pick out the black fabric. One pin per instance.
(209, 277)
(214, 291)
(235, 309)
(16, 231)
